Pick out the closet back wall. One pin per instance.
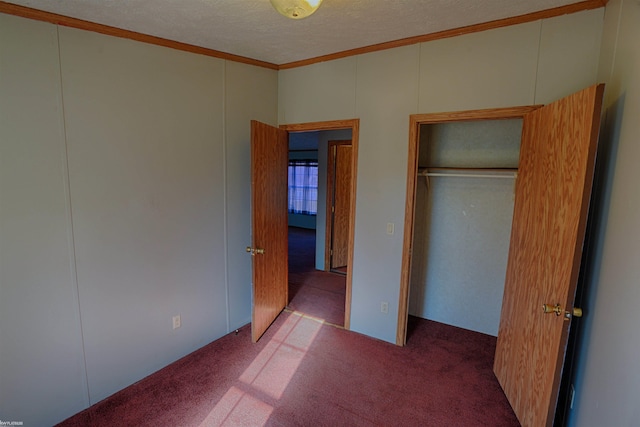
(463, 224)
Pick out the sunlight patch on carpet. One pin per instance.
(238, 408)
(267, 377)
(282, 356)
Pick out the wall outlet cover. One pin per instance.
(177, 322)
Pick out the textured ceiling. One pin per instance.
(253, 29)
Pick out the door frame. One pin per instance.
(354, 125)
(415, 120)
(331, 184)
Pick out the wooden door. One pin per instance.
(341, 204)
(269, 162)
(552, 196)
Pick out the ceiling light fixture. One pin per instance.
(296, 9)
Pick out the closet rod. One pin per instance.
(463, 175)
(510, 175)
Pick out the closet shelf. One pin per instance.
(508, 173)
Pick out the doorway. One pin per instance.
(269, 241)
(332, 130)
(315, 289)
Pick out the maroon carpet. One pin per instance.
(304, 373)
(313, 292)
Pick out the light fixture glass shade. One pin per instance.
(296, 9)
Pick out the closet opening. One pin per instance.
(460, 197)
(558, 144)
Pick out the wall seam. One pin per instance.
(355, 86)
(417, 111)
(71, 232)
(615, 43)
(225, 219)
(535, 81)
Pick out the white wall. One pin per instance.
(144, 130)
(42, 372)
(607, 376)
(498, 68)
(251, 93)
(125, 199)
(387, 94)
(328, 92)
(464, 227)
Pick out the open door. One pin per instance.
(340, 203)
(553, 190)
(269, 160)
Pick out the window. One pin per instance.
(303, 186)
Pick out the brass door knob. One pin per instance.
(548, 308)
(255, 251)
(557, 309)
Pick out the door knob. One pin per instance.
(557, 309)
(548, 308)
(254, 251)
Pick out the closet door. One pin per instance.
(552, 197)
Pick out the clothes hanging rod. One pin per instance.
(474, 173)
(465, 175)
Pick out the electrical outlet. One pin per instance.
(390, 228)
(384, 307)
(177, 322)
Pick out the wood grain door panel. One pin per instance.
(342, 206)
(269, 162)
(552, 196)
